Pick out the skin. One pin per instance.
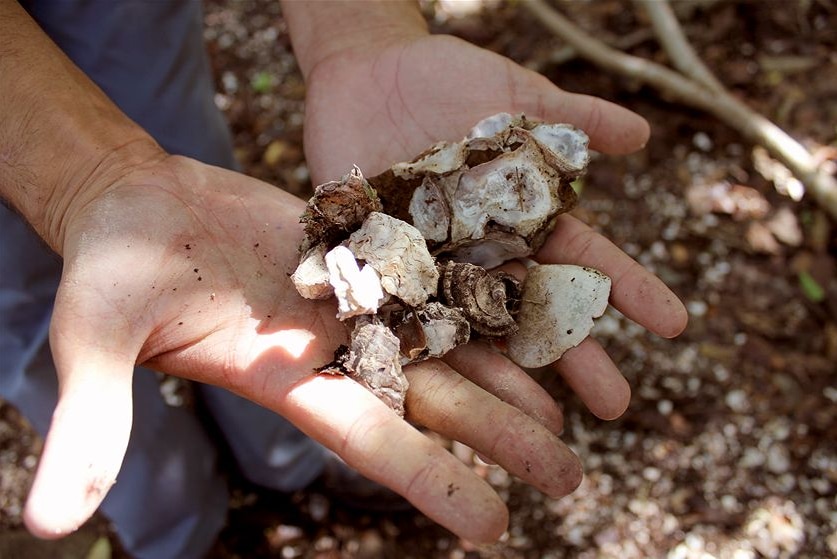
(184, 267)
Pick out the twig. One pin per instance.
(719, 102)
(676, 45)
(621, 42)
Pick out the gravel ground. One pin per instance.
(728, 448)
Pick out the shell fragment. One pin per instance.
(557, 309)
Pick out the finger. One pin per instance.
(445, 402)
(592, 375)
(85, 444)
(611, 128)
(371, 438)
(637, 293)
(494, 373)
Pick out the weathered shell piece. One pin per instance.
(558, 305)
(374, 361)
(431, 331)
(480, 295)
(492, 196)
(444, 328)
(337, 208)
(399, 253)
(358, 290)
(311, 276)
(411, 337)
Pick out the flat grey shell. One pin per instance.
(558, 306)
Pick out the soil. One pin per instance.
(728, 447)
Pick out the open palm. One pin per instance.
(184, 267)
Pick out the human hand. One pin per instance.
(373, 106)
(184, 267)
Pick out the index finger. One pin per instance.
(636, 292)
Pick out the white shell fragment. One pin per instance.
(559, 303)
(491, 125)
(511, 191)
(398, 252)
(358, 291)
(311, 276)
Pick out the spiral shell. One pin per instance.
(481, 296)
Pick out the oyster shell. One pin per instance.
(444, 328)
(398, 252)
(358, 290)
(491, 197)
(311, 277)
(374, 361)
(431, 331)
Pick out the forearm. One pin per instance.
(60, 136)
(322, 28)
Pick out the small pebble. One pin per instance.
(737, 400)
(697, 308)
(778, 459)
(702, 141)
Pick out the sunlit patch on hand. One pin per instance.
(293, 341)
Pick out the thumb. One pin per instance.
(88, 435)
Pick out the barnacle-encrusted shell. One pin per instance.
(557, 309)
(399, 253)
(481, 296)
(492, 196)
(375, 362)
(338, 208)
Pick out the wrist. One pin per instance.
(323, 29)
(90, 173)
(61, 138)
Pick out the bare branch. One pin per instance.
(676, 45)
(819, 183)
